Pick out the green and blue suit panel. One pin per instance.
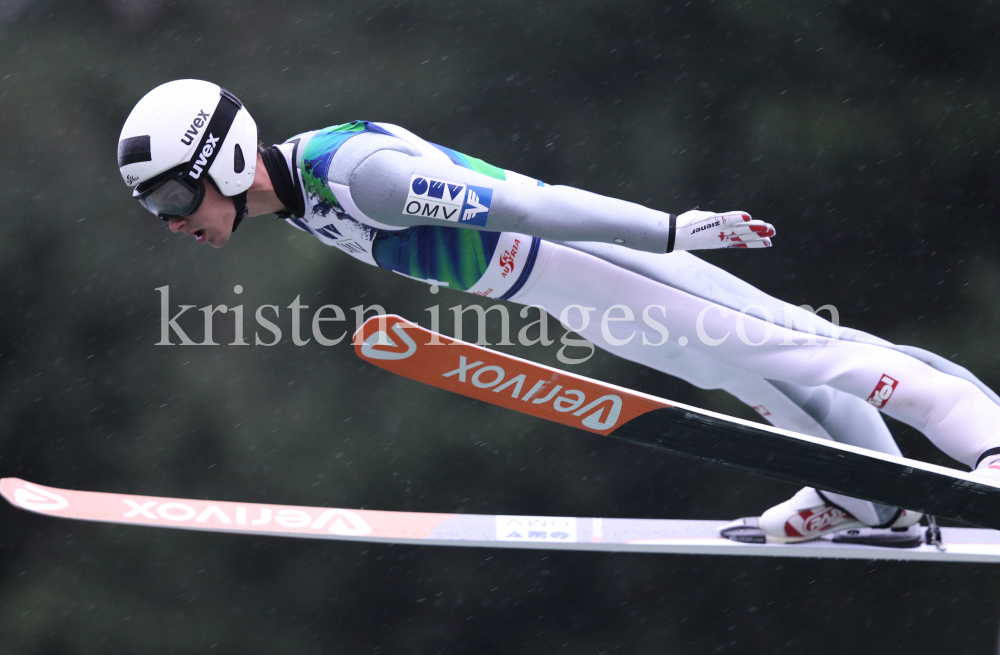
(454, 256)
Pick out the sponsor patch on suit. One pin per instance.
(448, 201)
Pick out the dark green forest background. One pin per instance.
(866, 132)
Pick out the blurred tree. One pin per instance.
(866, 133)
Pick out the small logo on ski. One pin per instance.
(883, 391)
(36, 499)
(387, 348)
(536, 528)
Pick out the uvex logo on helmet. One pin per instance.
(199, 122)
(604, 411)
(206, 151)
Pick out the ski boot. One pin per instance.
(810, 515)
(989, 466)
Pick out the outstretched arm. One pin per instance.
(395, 188)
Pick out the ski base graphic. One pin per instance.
(491, 531)
(407, 349)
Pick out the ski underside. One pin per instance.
(414, 352)
(492, 531)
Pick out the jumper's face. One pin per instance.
(213, 220)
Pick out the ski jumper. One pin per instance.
(387, 197)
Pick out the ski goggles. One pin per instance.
(170, 195)
(179, 191)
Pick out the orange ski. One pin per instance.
(483, 530)
(397, 345)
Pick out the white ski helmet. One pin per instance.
(176, 134)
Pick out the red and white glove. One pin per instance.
(698, 230)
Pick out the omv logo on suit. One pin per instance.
(448, 201)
